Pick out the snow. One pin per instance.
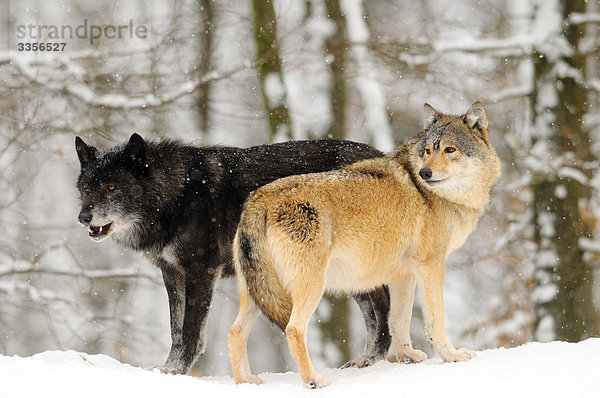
(554, 369)
(28, 67)
(579, 18)
(274, 90)
(544, 293)
(545, 330)
(589, 245)
(573, 173)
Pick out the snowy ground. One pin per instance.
(543, 370)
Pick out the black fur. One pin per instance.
(180, 206)
(300, 220)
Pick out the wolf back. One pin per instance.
(180, 206)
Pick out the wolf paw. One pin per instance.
(166, 370)
(318, 382)
(470, 353)
(410, 355)
(460, 355)
(362, 361)
(251, 379)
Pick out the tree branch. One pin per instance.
(85, 94)
(81, 273)
(578, 18)
(501, 48)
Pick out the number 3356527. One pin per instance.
(41, 46)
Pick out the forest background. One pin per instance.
(243, 73)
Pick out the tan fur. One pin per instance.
(375, 222)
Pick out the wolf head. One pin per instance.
(123, 187)
(453, 156)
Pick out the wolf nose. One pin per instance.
(425, 173)
(85, 217)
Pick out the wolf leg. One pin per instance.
(174, 278)
(237, 340)
(306, 293)
(431, 281)
(402, 295)
(375, 307)
(199, 285)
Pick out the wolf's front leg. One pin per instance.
(431, 280)
(199, 286)
(174, 278)
(402, 295)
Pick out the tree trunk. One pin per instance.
(563, 299)
(336, 48)
(205, 56)
(269, 70)
(334, 324)
(368, 88)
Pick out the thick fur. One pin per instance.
(180, 206)
(385, 221)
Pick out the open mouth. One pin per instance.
(99, 233)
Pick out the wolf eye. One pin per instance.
(427, 151)
(111, 187)
(86, 189)
(450, 149)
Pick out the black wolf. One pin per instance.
(180, 205)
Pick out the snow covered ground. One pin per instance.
(542, 370)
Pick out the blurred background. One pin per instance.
(242, 73)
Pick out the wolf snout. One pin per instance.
(425, 173)
(85, 217)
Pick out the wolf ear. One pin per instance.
(85, 152)
(135, 151)
(476, 116)
(429, 116)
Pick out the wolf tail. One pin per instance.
(254, 265)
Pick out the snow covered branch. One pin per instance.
(41, 297)
(501, 48)
(594, 84)
(88, 96)
(577, 18)
(510, 92)
(589, 245)
(81, 273)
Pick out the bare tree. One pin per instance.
(564, 302)
(206, 11)
(270, 73)
(337, 48)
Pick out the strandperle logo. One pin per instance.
(108, 37)
(85, 30)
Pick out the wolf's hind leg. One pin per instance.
(306, 294)
(375, 307)
(238, 337)
(402, 294)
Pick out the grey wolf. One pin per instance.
(389, 221)
(180, 205)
